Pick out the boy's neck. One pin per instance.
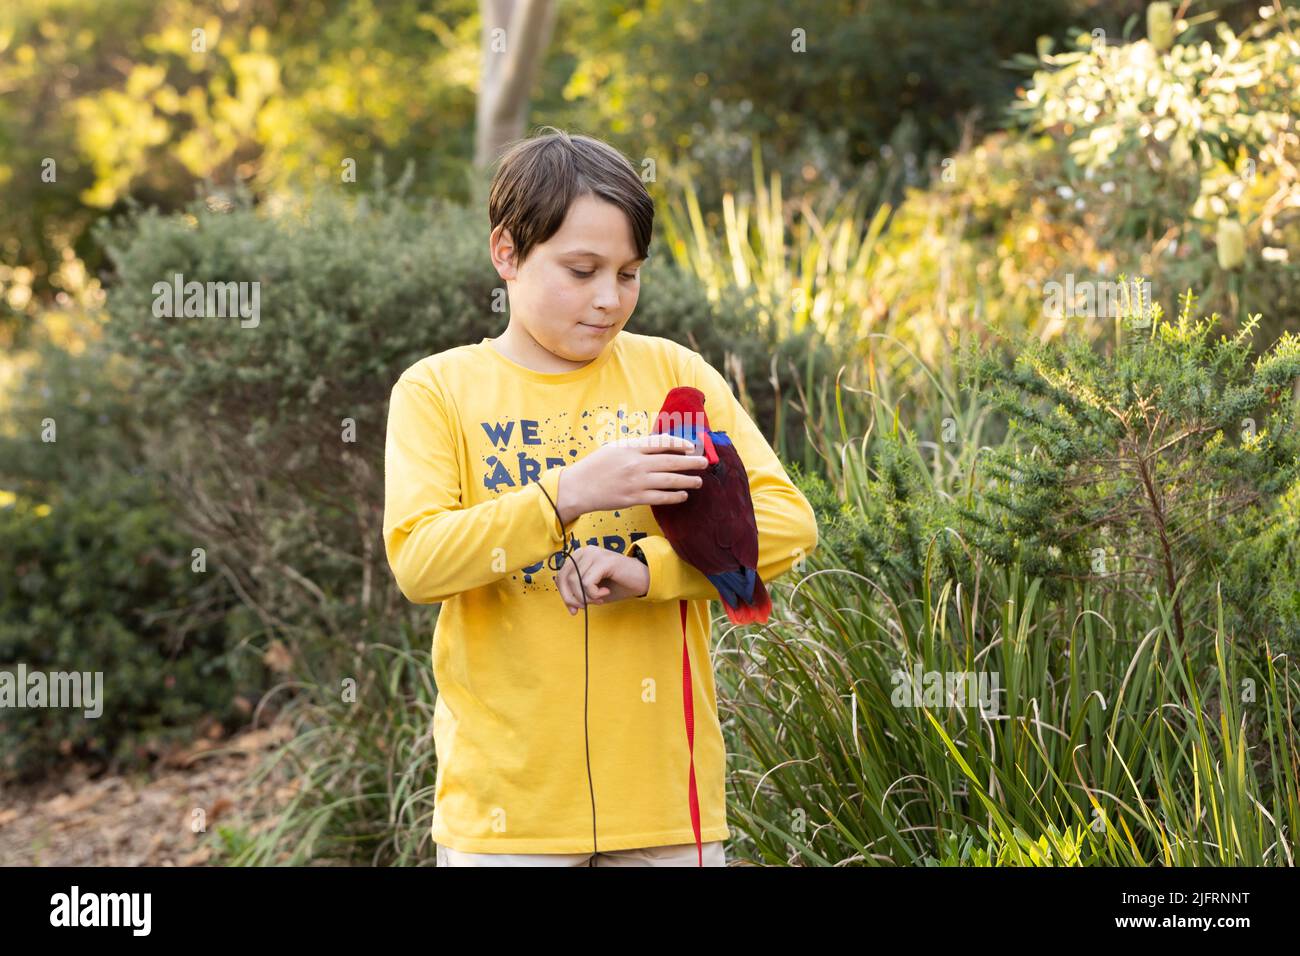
(521, 348)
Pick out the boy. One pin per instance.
(491, 448)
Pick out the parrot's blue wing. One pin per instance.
(735, 587)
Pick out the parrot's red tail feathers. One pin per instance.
(757, 612)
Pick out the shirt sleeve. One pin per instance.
(787, 525)
(437, 548)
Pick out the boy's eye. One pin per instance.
(586, 275)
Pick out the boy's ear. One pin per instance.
(503, 252)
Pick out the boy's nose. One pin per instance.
(606, 297)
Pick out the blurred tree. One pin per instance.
(516, 34)
(821, 85)
(135, 99)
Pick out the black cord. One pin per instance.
(564, 553)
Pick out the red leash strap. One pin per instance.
(688, 706)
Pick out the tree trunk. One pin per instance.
(516, 34)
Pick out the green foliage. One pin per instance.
(701, 80)
(100, 584)
(841, 530)
(1111, 741)
(887, 501)
(919, 567)
(234, 840)
(1260, 572)
(1050, 849)
(1185, 147)
(1108, 738)
(278, 96)
(1146, 462)
(98, 579)
(129, 100)
(1177, 124)
(898, 529)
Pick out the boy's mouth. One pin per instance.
(597, 328)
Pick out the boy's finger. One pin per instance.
(680, 462)
(566, 584)
(559, 586)
(593, 564)
(581, 577)
(658, 438)
(664, 442)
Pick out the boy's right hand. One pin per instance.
(648, 470)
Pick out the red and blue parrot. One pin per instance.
(714, 529)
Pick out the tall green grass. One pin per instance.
(1104, 729)
(803, 261)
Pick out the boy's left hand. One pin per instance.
(607, 575)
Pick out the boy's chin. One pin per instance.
(584, 354)
(587, 342)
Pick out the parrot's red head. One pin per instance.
(683, 414)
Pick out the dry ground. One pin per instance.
(166, 817)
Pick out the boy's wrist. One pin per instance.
(639, 555)
(570, 510)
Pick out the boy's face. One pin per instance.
(575, 291)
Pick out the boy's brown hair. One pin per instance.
(537, 179)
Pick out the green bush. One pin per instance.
(1148, 464)
(98, 584)
(98, 579)
(1261, 572)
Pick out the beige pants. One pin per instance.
(679, 854)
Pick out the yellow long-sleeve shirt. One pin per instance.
(473, 438)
